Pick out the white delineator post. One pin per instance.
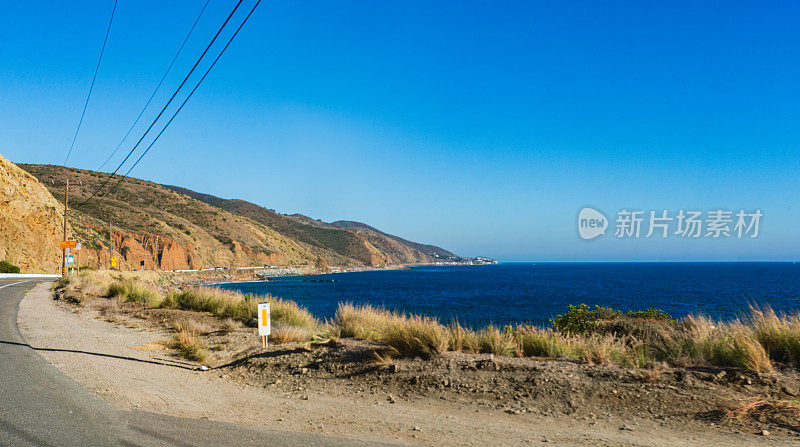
(263, 323)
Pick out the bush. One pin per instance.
(7, 267)
(605, 320)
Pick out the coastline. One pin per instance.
(257, 274)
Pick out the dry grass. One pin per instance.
(290, 313)
(190, 326)
(723, 344)
(778, 334)
(284, 333)
(753, 344)
(462, 339)
(218, 302)
(382, 360)
(416, 336)
(365, 322)
(135, 292)
(237, 306)
(228, 325)
(188, 346)
(784, 413)
(497, 341)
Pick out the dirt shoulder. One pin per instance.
(117, 351)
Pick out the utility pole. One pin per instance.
(64, 250)
(110, 245)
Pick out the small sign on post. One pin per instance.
(113, 261)
(68, 244)
(263, 323)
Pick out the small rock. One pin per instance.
(203, 368)
(626, 428)
(391, 399)
(253, 322)
(790, 390)
(765, 433)
(416, 428)
(393, 368)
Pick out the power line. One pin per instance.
(91, 87)
(157, 86)
(121, 179)
(165, 106)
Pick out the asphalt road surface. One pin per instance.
(41, 406)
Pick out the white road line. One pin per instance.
(13, 284)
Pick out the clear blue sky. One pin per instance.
(482, 127)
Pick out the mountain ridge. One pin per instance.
(147, 224)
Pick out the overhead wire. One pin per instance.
(155, 120)
(158, 86)
(121, 179)
(91, 87)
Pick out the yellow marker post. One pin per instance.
(263, 323)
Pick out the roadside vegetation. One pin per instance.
(7, 267)
(759, 342)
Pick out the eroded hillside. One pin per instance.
(174, 228)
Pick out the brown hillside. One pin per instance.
(152, 223)
(31, 221)
(176, 228)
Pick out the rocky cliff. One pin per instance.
(31, 221)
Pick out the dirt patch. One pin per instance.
(341, 388)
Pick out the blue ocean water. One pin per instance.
(534, 293)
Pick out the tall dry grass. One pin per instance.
(756, 342)
(778, 334)
(135, 292)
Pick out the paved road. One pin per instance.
(41, 406)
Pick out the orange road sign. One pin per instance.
(68, 244)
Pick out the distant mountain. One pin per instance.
(343, 238)
(389, 242)
(177, 228)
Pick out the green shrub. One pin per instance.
(605, 320)
(7, 267)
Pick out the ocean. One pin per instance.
(533, 293)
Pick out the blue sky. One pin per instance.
(483, 127)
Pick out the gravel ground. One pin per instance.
(125, 363)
